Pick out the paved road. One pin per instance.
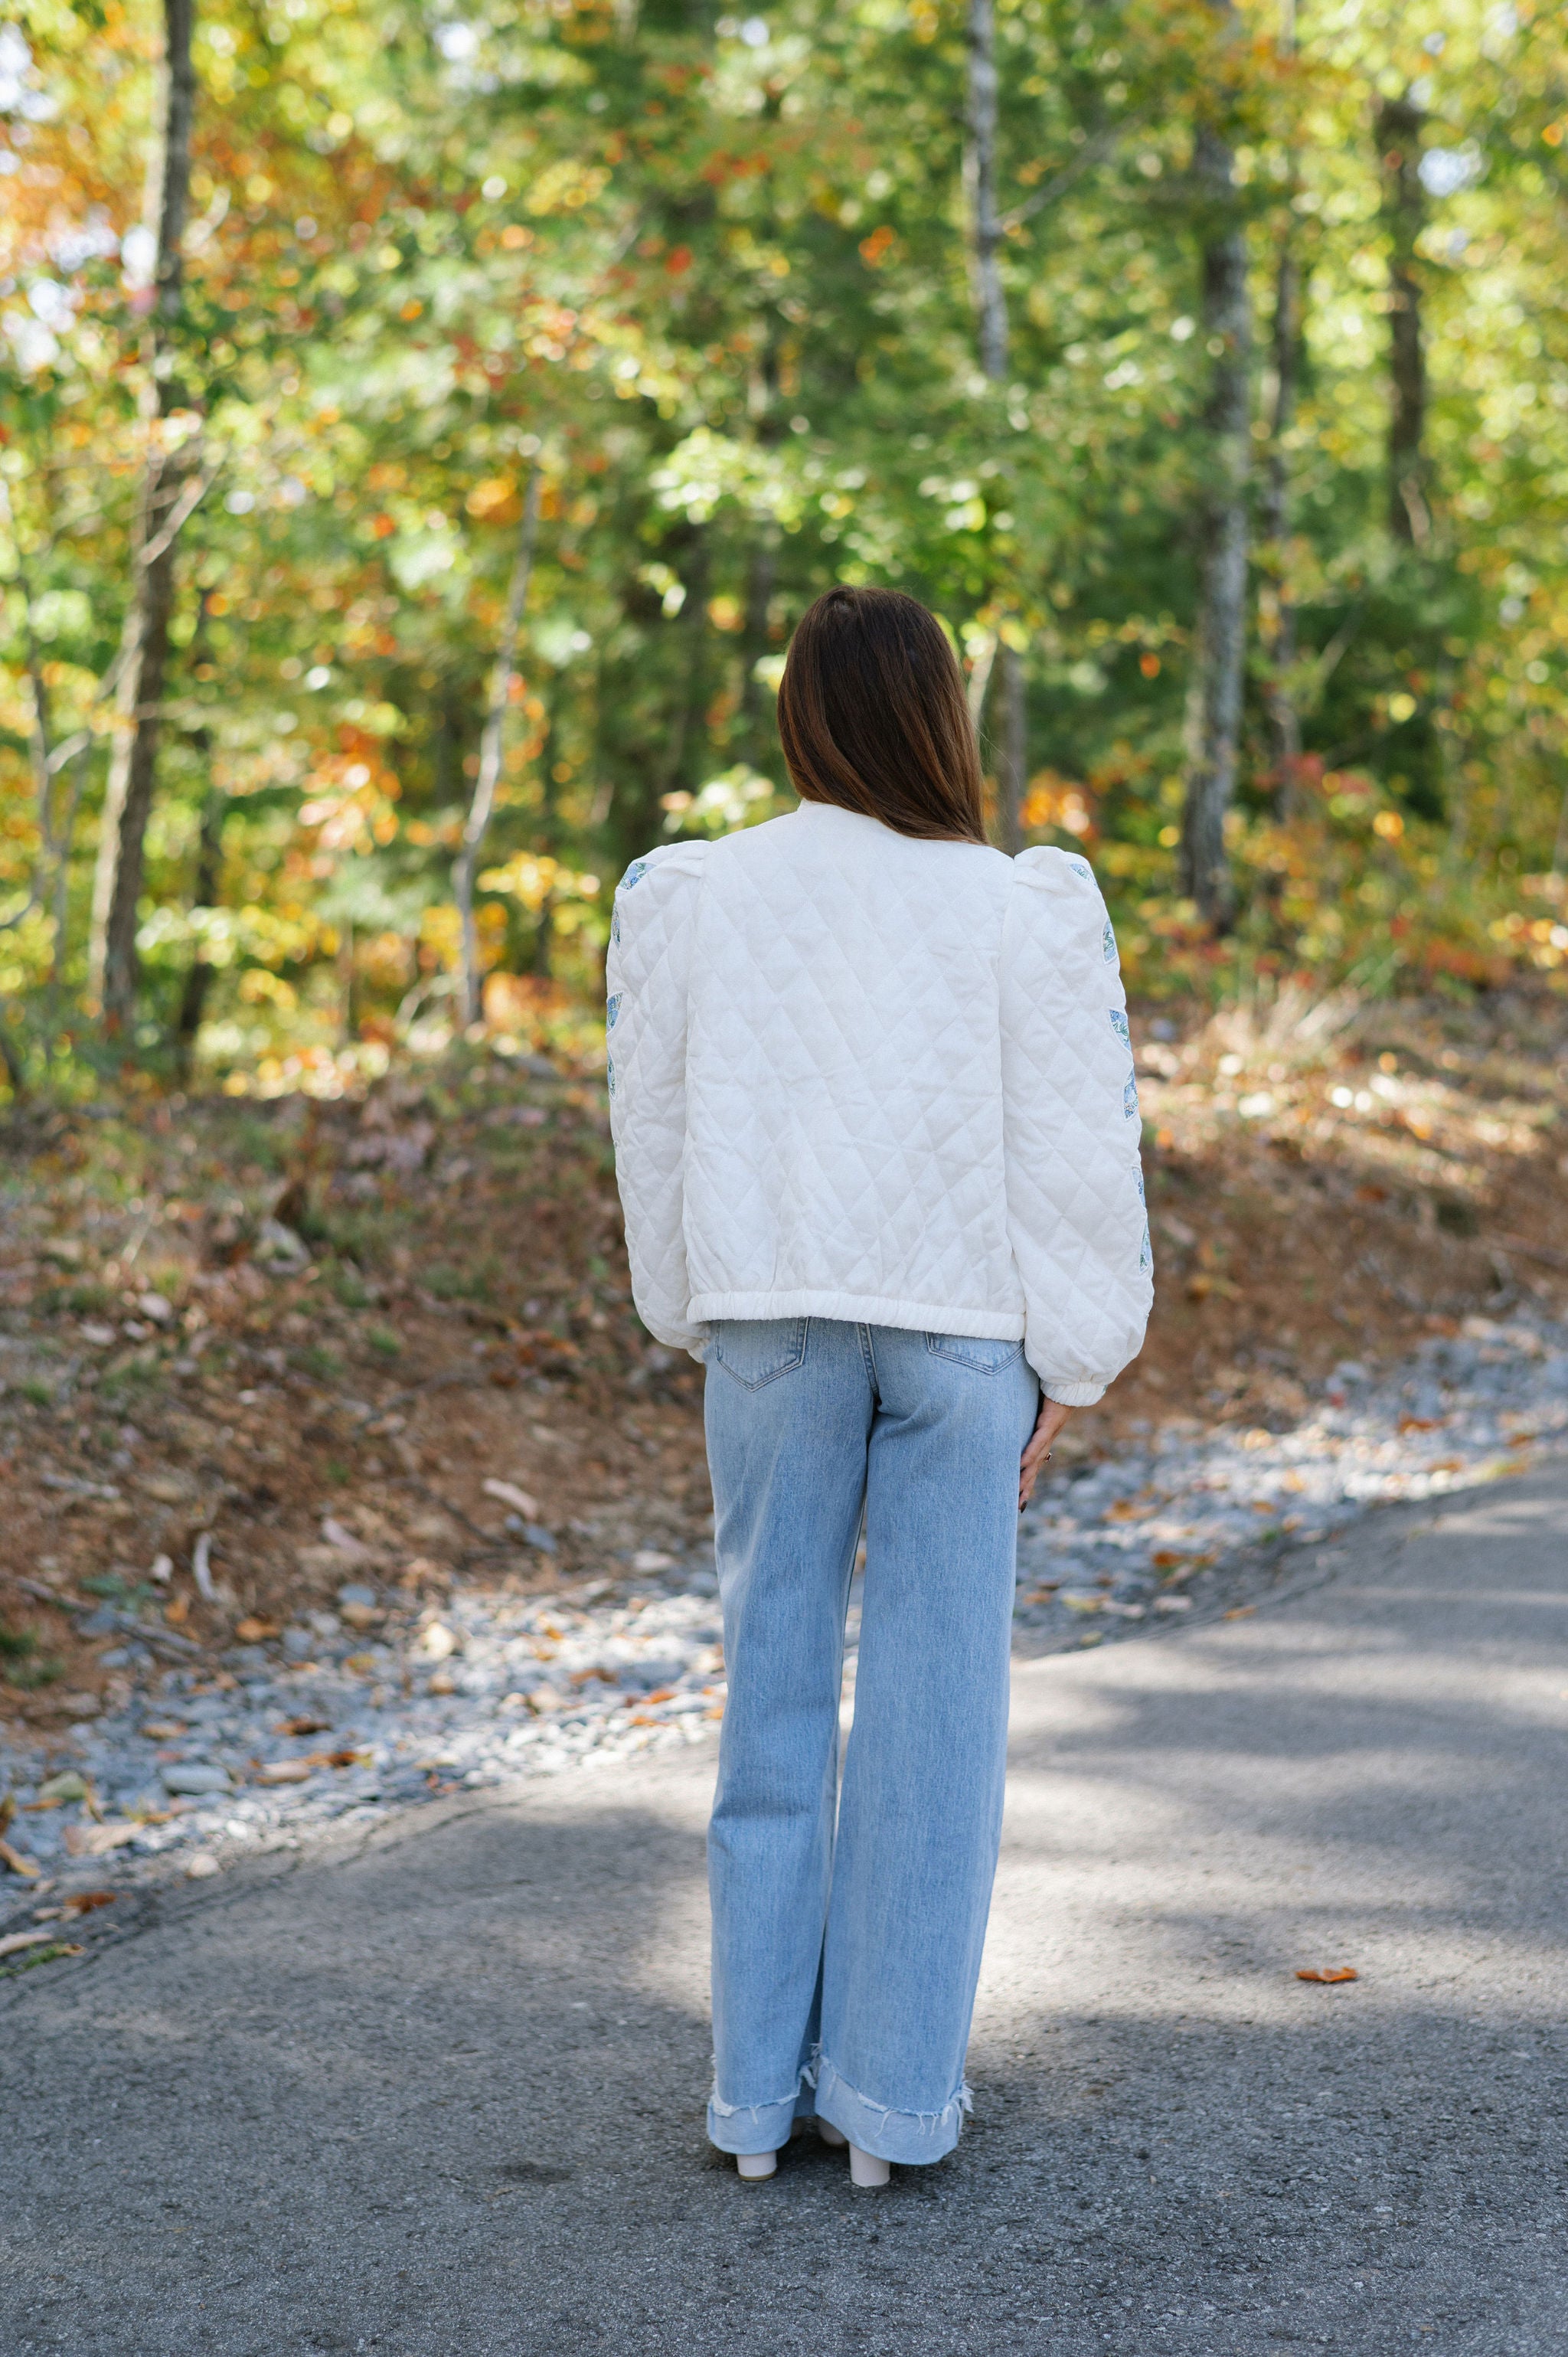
(440, 2097)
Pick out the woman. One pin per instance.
(877, 1135)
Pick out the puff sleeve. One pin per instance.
(1076, 1211)
(647, 974)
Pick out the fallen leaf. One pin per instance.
(305, 1726)
(1421, 1423)
(510, 1495)
(16, 1862)
(360, 1663)
(177, 1610)
(253, 1630)
(1327, 1972)
(14, 1941)
(202, 1566)
(167, 1488)
(60, 1790)
(96, 1841)
(343, 1542)
(83, 1902)
(1240, 1611)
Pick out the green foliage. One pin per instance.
(21, 1663)
(711, 276)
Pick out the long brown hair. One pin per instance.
(873, 716)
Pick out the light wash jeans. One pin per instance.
(845, 1966)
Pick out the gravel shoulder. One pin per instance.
(347, 1716)
(434, 2084)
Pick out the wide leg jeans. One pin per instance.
(848, 1927)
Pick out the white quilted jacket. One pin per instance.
(857, 1076)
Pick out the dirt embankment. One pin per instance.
(253, 1354)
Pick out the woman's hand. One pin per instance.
(1048, 1424)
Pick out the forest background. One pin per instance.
(420, 430)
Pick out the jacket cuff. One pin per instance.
(1072, 1394)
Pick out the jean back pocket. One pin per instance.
(758, 1350)
(976, 1351)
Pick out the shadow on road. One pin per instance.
(444, 2095)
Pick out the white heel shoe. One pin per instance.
(865, 2169)
(752, 2165)
(832, 2136)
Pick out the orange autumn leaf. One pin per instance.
(1327, 1972)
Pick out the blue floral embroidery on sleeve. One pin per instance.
(610, 1074)
(634, 875)
(615, 925)
(612, 1009)
(1080, 866)
(1119, 1025)
(1130, 1098)
(1109, 943)
(1146, 1250)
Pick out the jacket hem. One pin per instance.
(863, 1309)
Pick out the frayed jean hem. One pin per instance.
(910, 2138)
(759, 2127)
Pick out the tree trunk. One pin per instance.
(691, 627)
(204, 895)
(990, 301)
(1214, 714)
(1009, 688)
(544, 923)
(1279, 607)
(755, 702)
(133, 767)
(14, 1063)
(492, 745)
(1404, 217)
(1010, 693)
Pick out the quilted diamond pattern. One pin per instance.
(857, 1076)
